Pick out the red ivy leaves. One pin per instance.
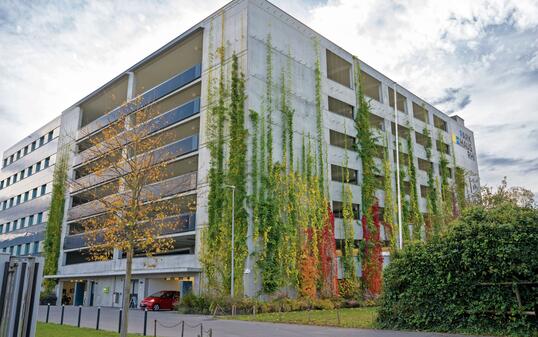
(373, 260)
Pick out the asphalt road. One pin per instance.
(169, 325)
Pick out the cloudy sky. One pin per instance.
(477, 59)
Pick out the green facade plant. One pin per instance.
(53, 231)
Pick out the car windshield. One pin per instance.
(158, 294)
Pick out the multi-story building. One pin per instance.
(25, 190)
(175, 79)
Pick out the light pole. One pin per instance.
(233, 238)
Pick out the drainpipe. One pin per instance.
(400, 230)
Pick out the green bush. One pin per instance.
(453, 283)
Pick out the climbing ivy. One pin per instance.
(53, 230)
(319, 118)
(459, 180)
(366, 148)
(415, 216)
(433, 222)
(388, 213)
(445, 195)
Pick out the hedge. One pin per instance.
(463, 281)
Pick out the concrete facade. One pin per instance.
(177, 75)
(25, 189)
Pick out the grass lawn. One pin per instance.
(56, 330)
(349, 318)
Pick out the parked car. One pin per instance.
(165, 299)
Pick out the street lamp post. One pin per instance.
(233, 239)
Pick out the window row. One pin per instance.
(29, 148)
(23, 197)
(31, 220)
(30, 248)
(340, 71)
(40, 165)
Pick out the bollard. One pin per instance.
(145, 321)
(155, 328)
(201, 330)
(338, 315)
(98, 318)
(48, 312)
(79, 314)
(210, 332)
(182, 328)
(62, 316)
(119, 322)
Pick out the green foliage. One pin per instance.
(434, 217)
(388, 214)
(365, 148)
(415, 216)
(54, 224)
(350, 271)
(319, 119)
(463, 281)
(459, 181)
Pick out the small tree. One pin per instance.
(135, 216)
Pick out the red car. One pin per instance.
(165, 299)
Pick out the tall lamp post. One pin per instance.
(233, 238)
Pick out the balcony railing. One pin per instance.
(146, 98)
(168, 118)
(161, 189)
(181, 223)
(172, 150)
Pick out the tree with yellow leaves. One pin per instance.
(129, 162)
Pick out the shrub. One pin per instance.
(455, 282)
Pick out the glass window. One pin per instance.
(5, 162)
(38, 167)
(339, 173)
(34, 193)
(27, 248)
(41, 140)
(23, 222)
(47, 162)
(26, 195)
(14, 178)
(43, 189)
(340, 107)
(36, 247)
(18, 252)
(30, 171)
(19, 154)
(11, 202)
(341, 140)
(31, 220)
(11, 250)
(1, 184)
(15, 225)
(439, 123)
(401, 104)
(8, 227)
(338, 69)
(1, 228)
(34, 145)
(26, 150)
(19, 197)
(8, 181)
(39, 217)
(49, 137)
(338, 210)
(21, 173)
(371, 86)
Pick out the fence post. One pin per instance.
(210, 332)
(62, 315)
(155, 328)
(338, 316)
(48, 312)
(182, 328)
(98, 318)
(119, 322)
(145, 321)
(79, 314)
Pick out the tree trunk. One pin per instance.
(126, 292)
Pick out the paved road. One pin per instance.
(221, 328)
